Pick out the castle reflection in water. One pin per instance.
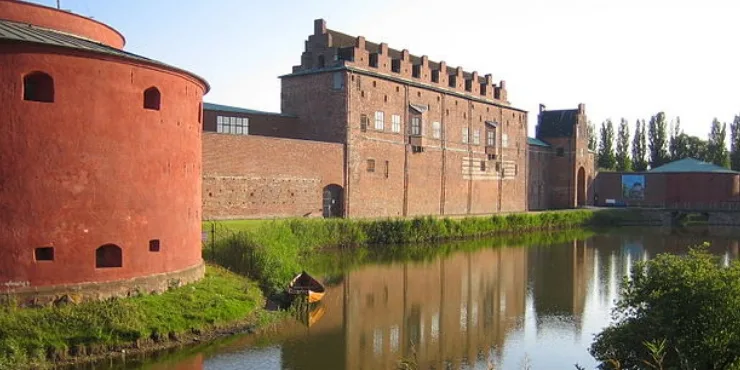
(468, 309)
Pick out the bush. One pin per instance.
(690, 304)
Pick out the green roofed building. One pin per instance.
(685, 183)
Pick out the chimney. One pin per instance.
(383, 49)
(489, 79)
(443, 68)
(502, 84)
(542, 108)
(360, 42)
(319, 27)
(475, 77)
(424, 61)
(581, 108)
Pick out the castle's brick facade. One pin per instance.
(417, 137)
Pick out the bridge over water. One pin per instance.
(715, 214)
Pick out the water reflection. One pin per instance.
(511, 307)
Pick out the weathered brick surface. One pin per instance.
(253, 176)
(672, 188)
(539, 177)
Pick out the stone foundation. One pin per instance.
(78, 293)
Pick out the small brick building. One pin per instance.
(409, 136)
(683, 183)
(100, 184)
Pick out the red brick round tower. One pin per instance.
(100, 161)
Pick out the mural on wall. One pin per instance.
(633, 187)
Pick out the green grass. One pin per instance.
(234, 226)
(34, 336)
(278, 249)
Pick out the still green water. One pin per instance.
(503, 307)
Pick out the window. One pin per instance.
(436, 130)
(44, 254)
(370, 165)
(374, 60)
(338, 81)
(379, 120)
(578, 131)
(483, 89)
(154, 245)
(505, 140)
(453, 82)
(465, 134)
(364, 122)
(396, 123)
(232, 125)
(38, 86)
(476, 137)
(491, 137)
(108, 255)
(416, 126)
(387, 169)
(321, 62)
(152, 98)
(416, 71)
(396, 65)
(560, 152)
(435, 76)
(468, 85)
(482, 166)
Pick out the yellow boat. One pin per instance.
(305, 285)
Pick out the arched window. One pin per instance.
(38, 86)
(152, 98)
(108, 255)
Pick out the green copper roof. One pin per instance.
(688, 165)
(228, 108)
(26, 33)
(535, 141)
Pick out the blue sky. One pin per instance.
(621, 58)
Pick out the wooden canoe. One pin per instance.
(305, 285)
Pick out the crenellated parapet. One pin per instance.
(327, 48)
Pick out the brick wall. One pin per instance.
(447, 176)
(671, 188)
(540, 158)
(253, 176)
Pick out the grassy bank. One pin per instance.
(273, 252)
(37, 337)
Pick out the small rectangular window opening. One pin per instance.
(154, 245)
(44, 254)
(387, 169)
(370, 165)
(483, 166)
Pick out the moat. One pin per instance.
(511, 307)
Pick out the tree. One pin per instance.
(688, 304)
(657, 140)
(624, 162)
(717, 144)
(735, 143)
(639, 149)
(606, 146)
(674, 139)
(591, 136)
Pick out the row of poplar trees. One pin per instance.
(654, 144)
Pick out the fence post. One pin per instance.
(213, 241)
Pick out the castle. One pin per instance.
(370, 131)
(101, 160)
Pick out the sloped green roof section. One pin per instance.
(228, 108)
(26, 33)
(690, 165)
(535, 141)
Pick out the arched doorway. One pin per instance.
(333, 205)
(581, 187)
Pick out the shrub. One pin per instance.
(689, 303)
